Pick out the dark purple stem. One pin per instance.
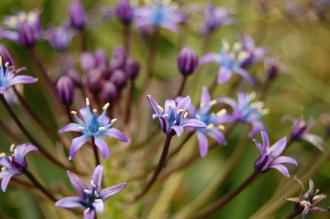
(220, 203)
(182, 85)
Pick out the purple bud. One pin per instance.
(101, 58)
(108, 93)
(6, 55)
(94, 80)
(77, 16)
(59, 38)
(272, 71)
(75, 76)
(299, 128)
(26, 35)
(119, 56)
(187, 61)
(65, 90)
(119, 78)
(132, 68)
(87, 61)
(124, 12)
(249, 60)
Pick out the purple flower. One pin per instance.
(216, 18)
(59, 37)
(94, 127)
(212, 120)
(9, 77)
(173, 117)
(77, 16)
(124, 11)
(23, 28)
(255, 54)
(270, 155)
(300, 132)
(14, 164)
(308, 201)
(90, 197)
(247, 110)
(187, 61)
(158, 15)
(230, 62)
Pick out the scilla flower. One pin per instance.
(158, 15)
(270, 155)
(230, 61)
(216, 17)
(173, 117)
(90, 197)
(14, 164)
(9, 77)
(247, 110)
(213, 121)
(93, 127)
(255, 54)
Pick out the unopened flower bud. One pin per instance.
(187, 61)
(75, 76)
(77, 16)
(108, 93)
(119, 78)
(124, 12)
(94, 80)
(65, 90)
(119, 56)
(6, 55)
(132, 68)
(26, 35)
(87, 61)
(272, 71)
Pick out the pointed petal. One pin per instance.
(89, 214)
(217, 136)
(97, 177)
(72, 127)
(203, 144)
(246, 76)
(278, 147)
(282, 169)
(315, 140)
(4, 162)
(285, 159)
(265, 139)
(5, 180)
(256, 128)
(98, 205)
(69, 202)
(115, 133)
(184, 103)
(76, 144)
(194, 123)
(102, 146)
(22, 79)
(212, 57)
(155, 105)
(21, 150)
(86, 114)
(77, 183)
(111, 191)
(205, 99)
(224, 75)
(228, 101)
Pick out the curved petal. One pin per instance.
(278, 147)
(212, 57)
(194, 123)
(256, 128)
(315, 140)
(245, 75)
(228, 101)
(97, 177)
(86, 114)
(21, 150)
(22, 79)
(111, 191)
(77, 183)
(76, 144)
(102, 146)
(203, 144)
(158, 109)
(177, 129)
(224, 75)
(5, 180)
(69, 202)
(206, 98)
(285, 159)
(115, 133)
(282, 169)
(4, 162)
(184, 103)
(217, 136)
(98, 205)
(72, 127)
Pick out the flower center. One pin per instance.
(158, 15)
(89, 197)
(94, 125)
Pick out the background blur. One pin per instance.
(294, 33)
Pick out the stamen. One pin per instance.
(94, 110)
(221, 127)
(88, 102)
(185, 115)
(113, 121)
(88, 191)
(3, 169)
(0, 60)
(210, 126)
(213, 102)
(12, 148)
(161, 108)
(2, 155)
(92, 183)
(73, 112)
(165, 115)
(102, 128)
(222, 112)
(106, 106)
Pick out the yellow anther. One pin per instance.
(2, 155)
(221, 127)
(106, 106)
(161, 108)
(243, 55)
(12, 148)
(222, 112)
(102, 128)
(113, 120)
(185, 114)
(88, 103)
(88, 191)
(92, 183)
(3, 169)
(225, 46)
(237, 46)
(0, 60)
(213, 102)
(210, 126)
(94, 110)
(73, 112)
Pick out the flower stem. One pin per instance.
(159, 168)
(129, 101)
(220, 203)
(39, 186)
(83, 43)
(292, 215)
(28, 135)
(127, 38)
(96, 154)
(182, 85)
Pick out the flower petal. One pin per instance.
(265, 139)
(184, 103)
(21, 150)
(315, 140)
(89, 214)
(97, 177)
(212, 57)
(155, 105)
(98, 205)
(285, 159)
(282, 169)
(224, 75)
(5, 180)
(77, 183)
(111, 191)
(76, 144)
(194, 123)
(22, 79)
(203, 144)
(205, 99)
(69, 202)
(72, 127)
(115, 133)
(102, 146)
(245, 75)
(217, 136)
(177, 129)
(278, 147)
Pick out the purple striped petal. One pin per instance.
(102, 146)
(282, 169)
(89, 214)
(203, 144)
(184, 103)
(111, 191)
(285, 159)
(9, 35)
(155, 105)
(194, 123)
(77, 183)
(213, 57)
(115, 133)
(86, 114)
(205, 99)
(265, 139)
(4, 162)
(256, 128)
(278, 147)
(72, 127)
(69, 202)
(76, 144)
(224, 75)
(97, 177)
(228, 101)
(259, 146)
(22, 79)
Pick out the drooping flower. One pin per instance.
(90, 197)
(214, 122)
(24, 28)
(255, 54)
(307, 202)
(216, 18)
(59, 37)
(158, 15)
(300, 132)
(93, 127)
(14, 164)
(9, 77)
(270, 155)
(173, 117)
(230, 61)
(247, 110)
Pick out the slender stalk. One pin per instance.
(159, 168)
(129, 101)
(9, 132)
(127, 38)
(292, 215)
(83, 42)
(28, 135)
(39, 185)
(220, 203)
(145, 141)
(182, 85)
(96, 154)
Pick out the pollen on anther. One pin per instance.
(87, 102)
(74, 112)
(106, 106)
(113, 120)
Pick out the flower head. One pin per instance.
(24, 28)
(255, 54)
(214, 122)
(270, 155)
(308, 201)
(230, 61)
(93, 127)
(90, 197)
(9, 77)
(247, 110)
(216, 17)
(14, 164)
(158, 15)
(173, 117)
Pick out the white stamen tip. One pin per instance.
(12, 147)
(113, 120)
(106, 106)
(74, 112)
(87, 102)
(2, 155)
